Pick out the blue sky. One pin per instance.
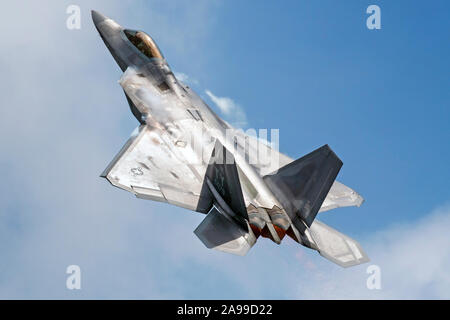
(379, 98)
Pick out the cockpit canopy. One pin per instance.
(144, 43)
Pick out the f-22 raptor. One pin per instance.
(184, 154)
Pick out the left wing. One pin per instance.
(152, 167)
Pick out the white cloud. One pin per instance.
(230, 109)
(414, 259)
(183, 77)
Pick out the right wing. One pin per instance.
(341, 196)
(270, 159)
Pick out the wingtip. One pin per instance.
(360, 201)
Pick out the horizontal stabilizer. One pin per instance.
(302, 186)
(218, 231)
(337, 247)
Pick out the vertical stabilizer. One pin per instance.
(301, 186)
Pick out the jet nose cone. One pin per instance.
(97, 17)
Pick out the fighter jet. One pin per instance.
(184, 154)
